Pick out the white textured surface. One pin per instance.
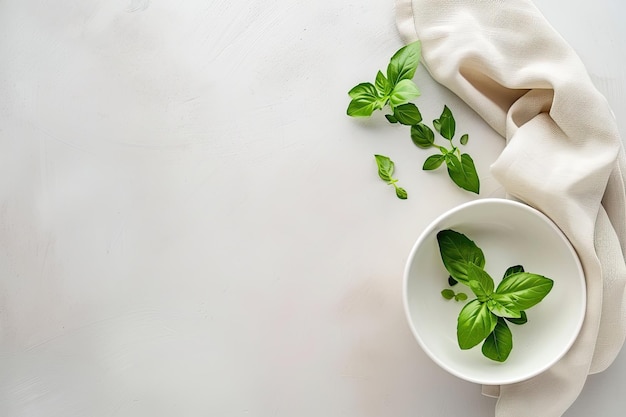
(191, 226)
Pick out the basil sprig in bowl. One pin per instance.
(494, 292)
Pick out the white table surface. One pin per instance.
(190, 225)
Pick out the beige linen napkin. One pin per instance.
(563, 157)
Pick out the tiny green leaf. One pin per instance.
(513, 270)
(460, 296)
(402, 92)
(463, 172)
(474, 324)
(464, 139)
(407, 114)
(446, 124)
(448, 294)
(457, 252)
(391, 118)
(433, 162)
(523, 319)
(499, 343)
(401, 193)
(422, 136)
(382, 85)
(403, 63)
(451, 281)
(385, 167)
(480, 282)
(522, 290)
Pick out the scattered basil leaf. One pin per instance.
(402, 92)
(422, 136)
(457, 252)
(464, 139)
(463, 172)
(403, 63)
(474, 324)
(523, 318)
(460, 296)
(407, 114)
(522, 290)
(391, 118)
(433, 162)
(513, 270)
(451, 281)
(401, 193)
(448, 294)
(446, 124)
(499, 343)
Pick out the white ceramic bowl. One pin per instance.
(509, 233)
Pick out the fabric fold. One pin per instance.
(563, 156)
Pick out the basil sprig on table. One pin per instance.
(484, 319)
(385, 172)
(395, 89)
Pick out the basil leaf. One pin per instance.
(474, 324)
(463, 172)
(437, 125)
(480, 282)
(422, 136)
(502, 311)
(402, 92)
(457, 252)
(446, 124)
(407, 114)
(451, 281)
(364, 100)
(460, 296)
(513, 270)
(391, 118)
(522, 290)
(403, 63)
(433, 162)
(448, 294)
(382, 85)
(464, 139)
(523, 319)
(385, 167)
(401, 193)
(499, 343)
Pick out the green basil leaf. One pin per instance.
(474, 324)
(391, 119)
(433, 162)
(422, 136)
(403, 63)
(364, 100)
(382, 85)
(401, 193)
(385, 167)
(522, 290)
(480, 282)
(448, 294)
(501, 311)
(513, 270)
(523, 318)
(402, 92)
(437, 125)
(446, 124)
(499, 343)
(457, 252)
(464, 139)
(460, 296)
(463, 172)
(407, 114)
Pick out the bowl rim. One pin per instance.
(428, 231)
